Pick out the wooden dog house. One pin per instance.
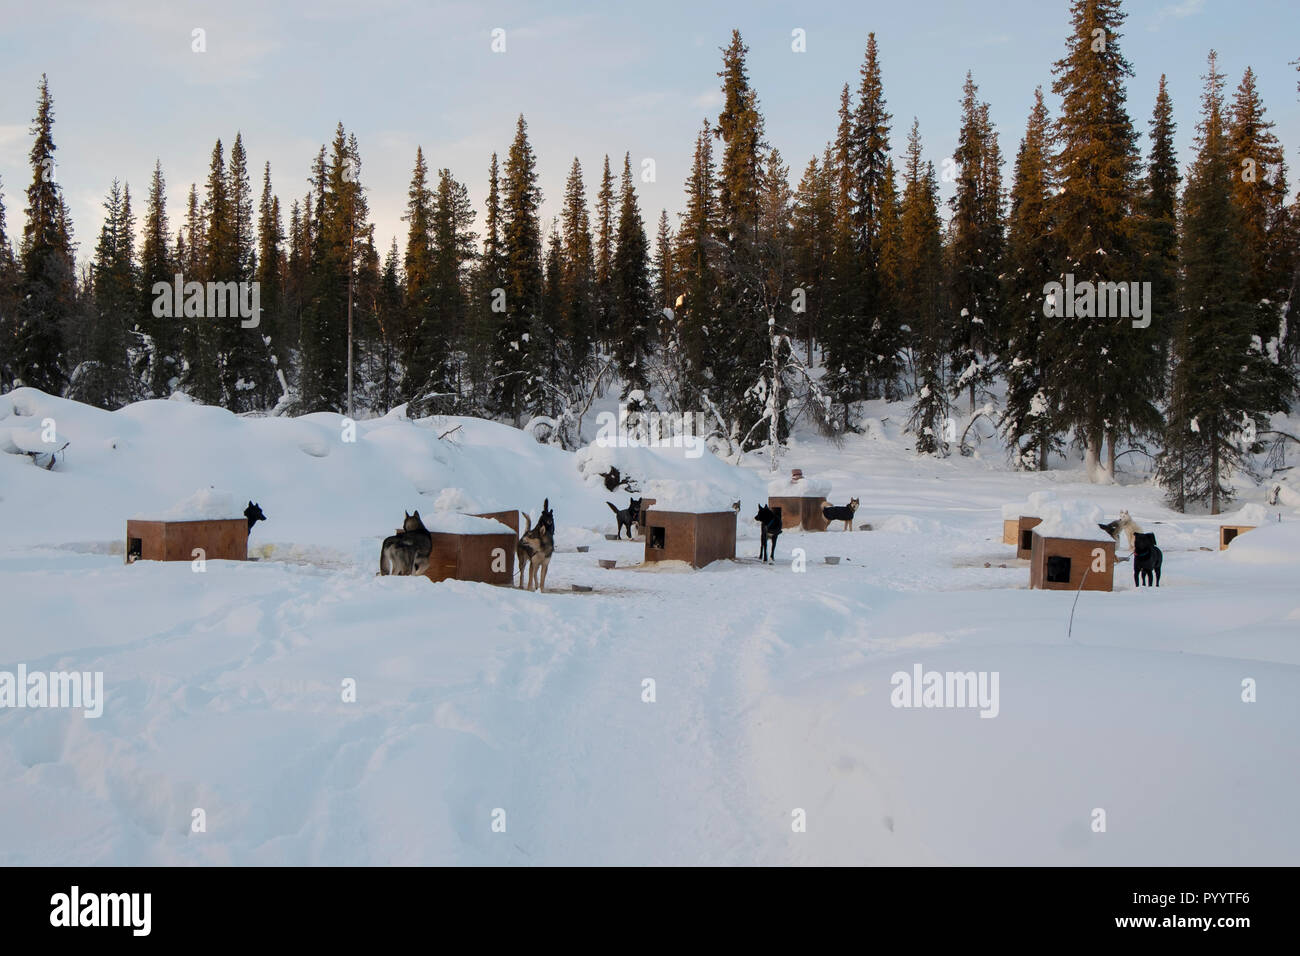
(220, 539)
(1024, 536)
(472, 547)
(799, 501)
(805, 513)
(1059, 564)
(697, 539)
(1229, 531)
(1010, 531)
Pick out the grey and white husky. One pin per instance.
(406, 552)
(535, 547)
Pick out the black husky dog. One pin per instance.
(1147, 559)
(254, 514)
(841, 513)
(631, 515)
(770, 527)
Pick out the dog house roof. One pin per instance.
(804, 488)
(206, 504)
(450, 522)
(1077, 521)
(687, 497)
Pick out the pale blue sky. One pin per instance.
(591, 78)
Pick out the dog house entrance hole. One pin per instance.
(1229, 534)
(1058, 569)
(134, 548)
(1026, 540)
(657, 538)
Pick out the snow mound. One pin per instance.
(1252, 514)
(451, 522)
(1038, 503)
(206, 504)
(1076, 520)
(804, 488)
(1273, 543)
(690, 497)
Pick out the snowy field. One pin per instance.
(772, 687)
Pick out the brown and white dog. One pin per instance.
(1124, 524)
(535, 547)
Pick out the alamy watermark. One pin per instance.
(639, 429)
(208, 300)
(922, 688)
(84, 689)
(1101, 300)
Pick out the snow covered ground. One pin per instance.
(475, 705)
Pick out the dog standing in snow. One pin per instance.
(1147, 559)
(535, 547)
(841, 513)
(769, 523)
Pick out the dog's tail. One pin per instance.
(612, 507)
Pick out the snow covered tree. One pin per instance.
(976, 253)
(579, 278)
(813, 238)
(270, 274)
(1222, 379)
(1095, 226)
(248, 373)
(1259, 190)
(159, 360)
(47, 280)
(515, 389)
(103, 377)
(8, 298)
(920, 296)
(632, 298)
(1027, 423)
(605, 228)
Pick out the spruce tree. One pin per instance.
(813, 238)
(425, 347)
(742, 317)
(47, 281)
(920, 296)
(605, 226)
(664, 272)
(876, 338)
(632, 298)
(579, 278)
(8, 300)
(247, 370)
(1028, 424)
(159, 364)
(1259, 190)
(103, 378)
(271, 278)
(696, 332)
(1159, 222)
(976, 248)
(1221, 383)
(488, 295)
(1095, 224)
(515, 387)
